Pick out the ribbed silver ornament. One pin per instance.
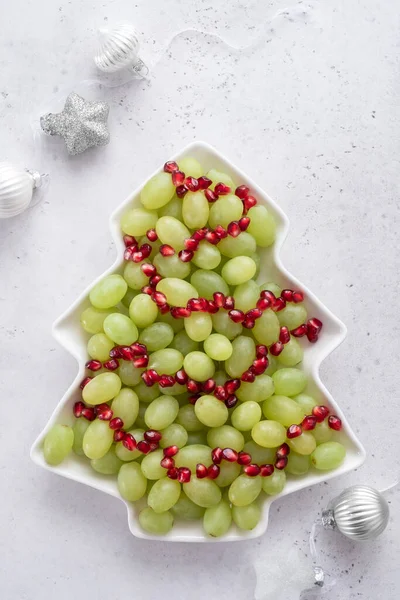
(119, 49)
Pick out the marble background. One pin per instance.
(311, 111)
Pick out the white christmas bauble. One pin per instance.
(119, 49)
(16, 189)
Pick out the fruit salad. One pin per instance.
(194, 397)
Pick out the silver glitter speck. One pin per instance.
(82, 124)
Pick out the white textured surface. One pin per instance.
(312, 113)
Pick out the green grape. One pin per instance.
(327, 456)
(206, 256)
(176, 324)
(177, 291)
(246, 517)
(129, 296)
(151, 467)
(283, 409)
(306, 402)
(198, 326)
(275, 483)
(266, 329)
(58, 444)
(140, 422)
(203, 492)
(261, 389)
(97, 439)
(291, 354)
(126, 406)
(172, 209)
(238, 270)
(225, 326)
(289, 382)
(99, 346)
(134, 276)
(217, 519)
(298, 464)
(257, 261)
(190, 456)
(129, 374)
(210, 411)
(102, 388)
(304, 444)
(143, 311)
(146, 394)
(137, 221)
(157, 336)
(171, 266)
(292, 316)
(120, 329)
(272, 365)
(272, 287)
(225, 436)
(157, 524)
(174, 435)
(157, 191)
(92, 319)
(109, 464)
(198, 366)
(167, 361)
(161, 412)
(172, 232)
(228, 472)
(220, 177)
(79, 428)
(226, 209)
(242, 245)
(218, 347)
(244, 490)
(131, 482)
(175, 390)
(197, 437)
(246, 295)
(186, 509)
(208, 282)
(322, 432)
(244, 352)
(108, 291)
(129, 455)
(246, 415)
(188, 418)
(164, 494)
(220, 377)
(259, 455)
(262, 226)
(191, 167)
(183, 343)
(268, 434)
(195, 210)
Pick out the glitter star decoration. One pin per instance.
(82, 124)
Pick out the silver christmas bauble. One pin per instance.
(16, 189)
(119, 49)
(359, 512)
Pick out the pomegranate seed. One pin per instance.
(279, 304)
(179, 312)
(128, 252)
(260, 365)
(191, 244)
(147, 289)
(152, 435)
(284, 335)
(220, 232)
(197, 305)
(204, 182)
(164, 309)
(141, 362)
(78, 408)
(244, 222)
(166, 250)
(167, 463)
(244, 458)
(209, 386)
(138, 349)
(212, 308)
(254, 313)
(216, 455)
(93, 365)
(154, 280)
(248, 376)
(193, 399)
(129, 442)
(283, 450)
(266, 470)
(201, 471)
(219, 299)
(263, 304)
(146, 249)
(213, 471)
(192, 184)
(309, 423)
(229, 303)
(237, 316)
(166, 381)
(314, 324)
(116, 423)
(138, 256)
(249, 202)
(171, 167)
(118, 435)
(129, 241)
(193, 386)
(153, 446)
(242, 191)
(229, 454)
(84, 382)
(298, 297)
(252, 470)
(150, 377)
(320, 413)
(184, 475)
(111, 365)
(268, 295)
(220, 393)
(186, 255)
(148, 269)
(233, 229)
(88, 413)
(143, 447)
(232, 385)
(299, 331)
(248, 323)
(126, 352)
(103, 412)
(210, 195)
(170, 451)
(181, 377)
(115, 352)
(178, 178)
(231, 401)
(276, 348)
(212, 238)
(334, 422)
(181, 191)
(281, 463)
(293, 431)
(222, 189)
(287, 295)
(261, 351)
(151, 235)
(159, 298)
(200, 234)
(173, 473)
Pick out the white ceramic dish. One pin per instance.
(69, 334)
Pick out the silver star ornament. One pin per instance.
(82, 124)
